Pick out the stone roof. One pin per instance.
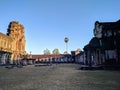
(94, 42)
(106, 43)
(47, 56)
(109, 24)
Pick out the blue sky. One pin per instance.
(48, 22)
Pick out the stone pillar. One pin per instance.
(0, 58)
(89, 57)
(3, 58)
(6, 58)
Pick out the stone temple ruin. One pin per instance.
(12, 44)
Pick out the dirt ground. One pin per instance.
(58, 77)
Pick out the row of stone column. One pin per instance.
(5, 58)
(59, 59)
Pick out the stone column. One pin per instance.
(3, 58)
(8, 58)
(0, 58)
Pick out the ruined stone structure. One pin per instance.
(104, 47)
(12, 45)
(54, 58)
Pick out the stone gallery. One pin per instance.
(104, 47)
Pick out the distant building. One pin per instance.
(55, 58)
(77, 56)
(12, 44)
(104, 47)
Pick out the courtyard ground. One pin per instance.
(58, 77)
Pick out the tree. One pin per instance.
(56, 51)
(79, 49)
(66, 52)
(66, 41)
(46, 51)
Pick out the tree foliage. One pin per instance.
(46, 52)
(66, 52)
(56, 51)
(66, 39)
(79, 49)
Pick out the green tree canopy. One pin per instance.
(56, 51)
(79, 49)
(66, 52)
(46, 52)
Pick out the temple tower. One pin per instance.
(16, 32)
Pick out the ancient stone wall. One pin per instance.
(16, 32)
(13, 43)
